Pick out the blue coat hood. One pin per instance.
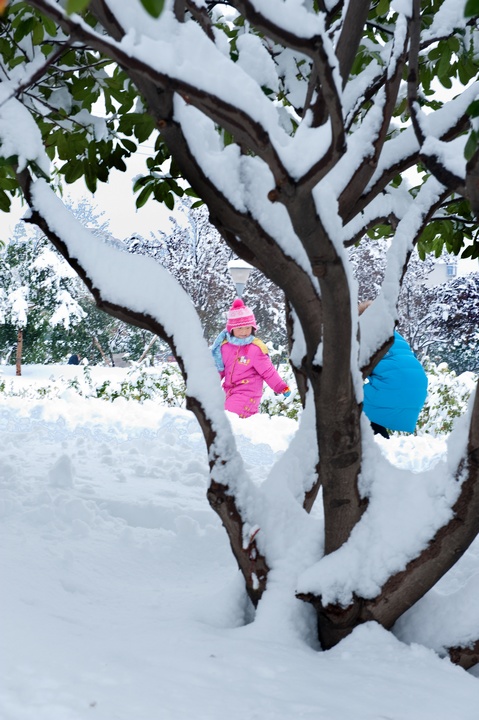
(396, 390)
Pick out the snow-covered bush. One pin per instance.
(141, 382)
(164, 384)
(273, 404)
(447, 398)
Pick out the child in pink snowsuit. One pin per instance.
(243, 362)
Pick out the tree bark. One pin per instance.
(96, 342)
(466, 657)
(18, 362)
(147, 349)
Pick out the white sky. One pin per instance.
(117, 200)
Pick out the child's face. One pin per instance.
(242, 332)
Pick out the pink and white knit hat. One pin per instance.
(239, 316)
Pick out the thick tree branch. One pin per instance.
(405, 588)
(472, 183)
(373, 360)
(355, 188)
(431, 161)
(202, 18)
(278, 33)
(402, 163)
(351, 36)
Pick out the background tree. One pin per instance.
(438, 320)
(197, 257)
(46, 311)
(295, 124)
(37, 294)
(456, 324)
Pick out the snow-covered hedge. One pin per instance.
(447, 397)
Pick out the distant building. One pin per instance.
(450, 269)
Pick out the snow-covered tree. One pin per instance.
(197, 257)
(439, 321)
(37, 289)
(297, 124)
(195, 254)
(456, 324)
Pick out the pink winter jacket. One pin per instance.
(246, 366)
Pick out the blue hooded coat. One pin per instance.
(396, 390)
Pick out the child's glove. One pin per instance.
(287, 392)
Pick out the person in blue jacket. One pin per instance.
(396, 390)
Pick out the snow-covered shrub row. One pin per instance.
(140, 382)
(447, 397)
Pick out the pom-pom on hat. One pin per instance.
(239, 316)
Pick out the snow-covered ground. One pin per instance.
(120, 599)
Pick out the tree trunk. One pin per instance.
(19, 352)
(406, 587)
(147, 349)
(96, 342)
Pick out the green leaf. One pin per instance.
(434, 53)
(128, 144)
(439, 246)
(457, 242)
(8, 184)
(473, 109)
(169, 201)
(472, 8)
(153, 7)
(139, 124)
(468, 252)
(38, 33)
(454, 44)
(49, 26)
(144, 196)
(382, 8)
(12, 160)
(72, 171)
(443, 67)
(25, 27)
(4, 201)
(446, 81)
(76, 6)
(471, 146)
(140, 182)
(90, 176)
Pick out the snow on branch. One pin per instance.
(290, 25)
(20, 137)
